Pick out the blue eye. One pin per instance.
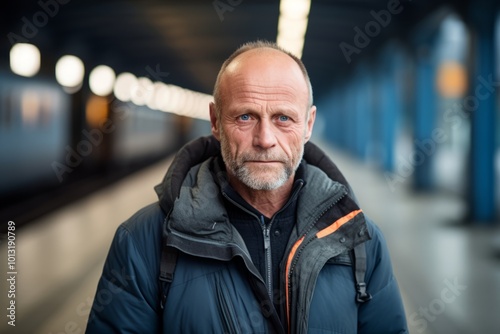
(245, 117)
(284, 118)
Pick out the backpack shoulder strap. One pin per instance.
(168, 261)
(359, 251)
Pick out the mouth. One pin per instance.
(265, 161)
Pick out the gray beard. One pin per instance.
(238, 168)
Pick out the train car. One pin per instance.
(56, 146)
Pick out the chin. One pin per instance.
(265, 182)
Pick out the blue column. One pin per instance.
(335, 129)
(336, 118)
(358, 109)
(390, 120)
(424, 116)
(343, 119)
(351, 118)
(390, 106)
(368, 111)
(363, 116)
(482, 102)
(370, 88)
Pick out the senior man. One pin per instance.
(255, 229)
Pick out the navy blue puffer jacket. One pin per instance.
(217, 289)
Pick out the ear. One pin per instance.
(214, 122)
(310, 123)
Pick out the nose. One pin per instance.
(264, 136)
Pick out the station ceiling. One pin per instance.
(185, 42)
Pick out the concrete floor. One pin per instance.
(448, 272)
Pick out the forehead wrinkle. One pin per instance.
(263, 92)
(283, 92)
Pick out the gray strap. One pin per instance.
(362, 295)
(167, 267)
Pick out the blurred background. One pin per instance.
(97, 96)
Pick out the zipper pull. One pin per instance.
(267, 239)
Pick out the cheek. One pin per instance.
(292, 142)
(299, 136)
(236, 141)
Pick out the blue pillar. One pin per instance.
(350, 136)
(362, 109)
(343, 119)
(370, 89)
(397, 98)
(351, 116)
(424, 116)
(336, 118)
(368, 111)
(482, 107)
(391, 118)
(357, 109)
(390, 106)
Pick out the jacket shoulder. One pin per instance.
(378, 257)
(142, 232)
(147, 222)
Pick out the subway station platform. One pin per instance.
(448, 270)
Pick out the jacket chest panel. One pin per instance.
(333, 306)
(212, 296)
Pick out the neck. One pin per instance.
(267, 202)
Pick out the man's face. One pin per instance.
(264, 122)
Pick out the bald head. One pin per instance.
(262, 53)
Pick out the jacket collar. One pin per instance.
(190, 189)
(190, 155)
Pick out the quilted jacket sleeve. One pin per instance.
(385, 312)
(126, 298)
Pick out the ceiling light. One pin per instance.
(123, 86)
(101, 80)
(142, 91)
(70, 71)
(25, 59)
(295, 9)
(292, 25)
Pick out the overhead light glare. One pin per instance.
(123, 86)
(292, 25)
(142, 91)
(295, 9)
(24, 59)
(292, 28)
(70, 71)
(101, 80)
(295, 46)
(163, 97)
